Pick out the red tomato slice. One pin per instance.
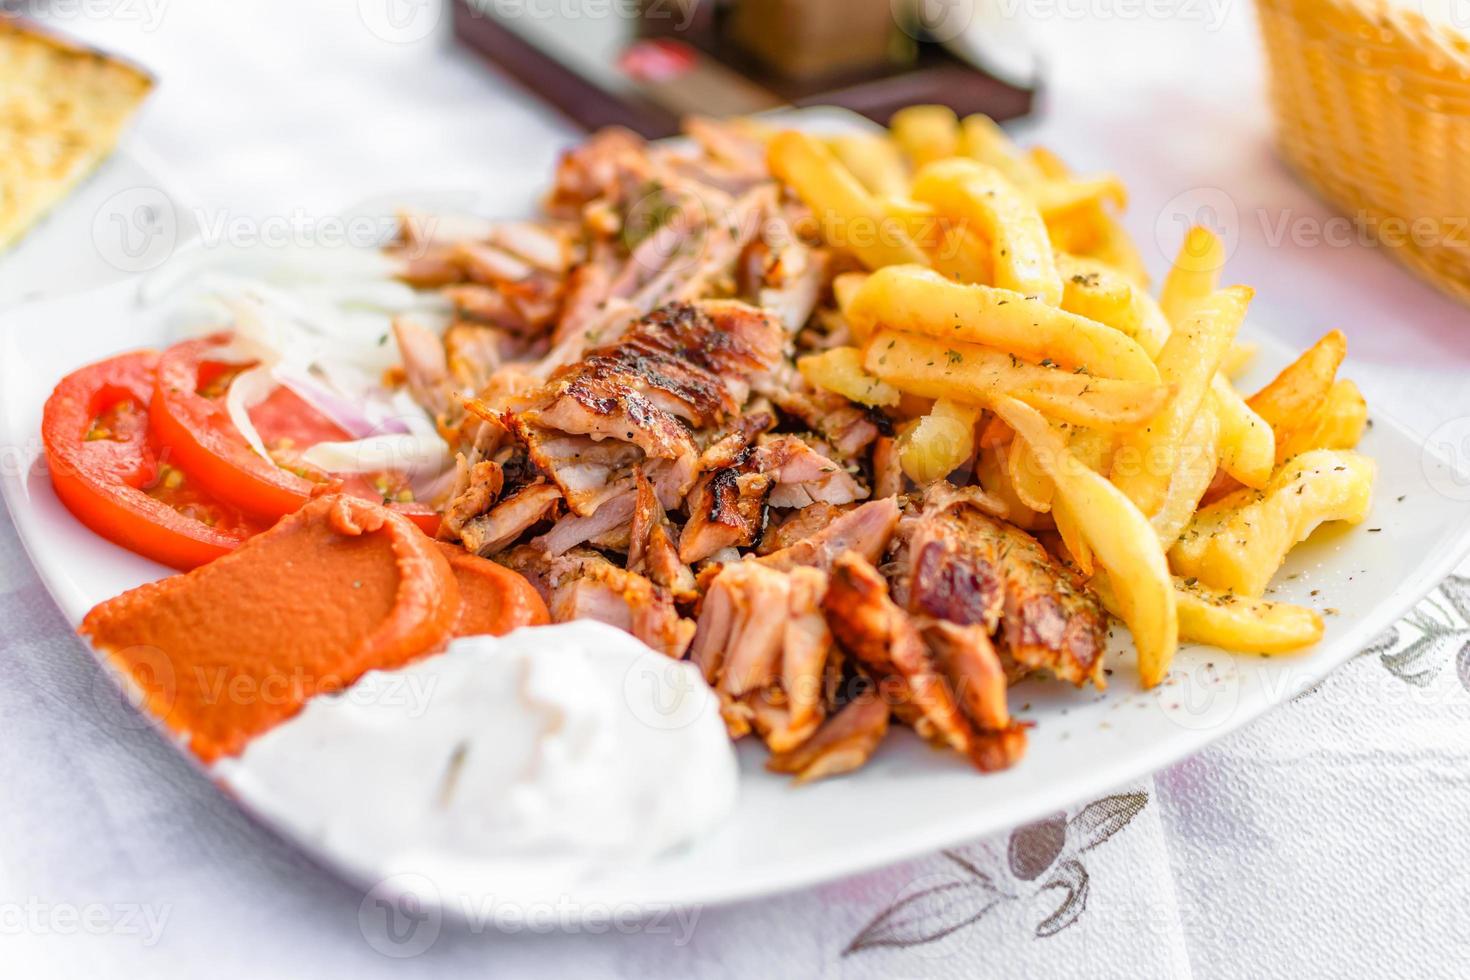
(112, 476)
(197, 427)
(190, 417)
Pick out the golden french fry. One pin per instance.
(1293, 399)
(971, 373)
(1195, 275)
(1199, 457)
(920, 300)
(1057, 198)
(926, 133)
(1239, 542)
(982, 139)
(1070, 529)
(1339, 425)
(1028, 479)
(850, 217)
(1232, 622)
(1153, 326)
(933, 447)
(1238, 358)
(974, 193)
(1093, 290)
(874, 160)
(845, 288)
(1120, 536)
(841, 370)
(955, 250)
(1148, 458)
(1247, 443)
(992, 470)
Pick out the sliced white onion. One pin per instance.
(412, 455)
(249, 389)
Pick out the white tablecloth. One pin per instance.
(1325, 840)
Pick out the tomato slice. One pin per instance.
(114, 478)
(190, 417)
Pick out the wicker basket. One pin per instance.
(1372, 106)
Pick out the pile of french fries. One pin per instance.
(1004, 319)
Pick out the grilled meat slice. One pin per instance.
(845, 742)
(475, 489)
(585, 585)
(573, 530)
(727, 509)
(972, 569)
(870, 626)
(588, 471)
(887, 471)
(684, 367)
(512, 517)
(763, 643)
(799, 525)
(651, 550)
(969, 661)
(848, 428)
(804, 476)
(865, 530)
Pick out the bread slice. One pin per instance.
(62, 108)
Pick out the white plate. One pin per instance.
(910, 800)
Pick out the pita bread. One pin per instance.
(62, 108)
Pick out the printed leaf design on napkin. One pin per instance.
(928, 915)
(1103, 818)
(1441, 621)
(1041, 858)
(1071, 877)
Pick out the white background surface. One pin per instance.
(1326, 839)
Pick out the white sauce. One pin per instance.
(537, 758)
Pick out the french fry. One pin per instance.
(1056, 199)
(850, 217)
(926, 133)
(922, 301)
(1195, 274)
(874, 160)
(1293, 399)
(841, 370)
(1153, 326)
(983, 139)
(1247, 443)
(1149, 456)
(923, 224)
(941, 442)
(1238, 543)
(1121, 539)
(955, 250)
(845, 289)
(971, 373)
(1093, 290)
(1339, 425)
(1238, 358)
(1070, 529)
(973, 193)
(1199, 457)
(1028, 479)
(992, 470)
(1232, 622)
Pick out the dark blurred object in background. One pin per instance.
(645, 64)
